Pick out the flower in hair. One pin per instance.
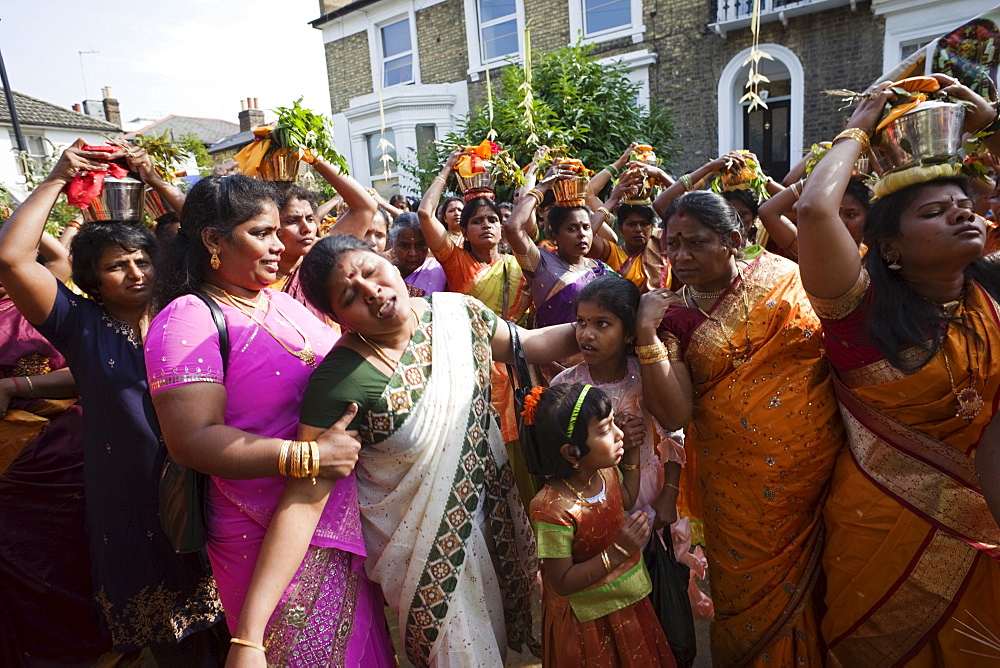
(531, 404)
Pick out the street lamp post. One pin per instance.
(9, 94)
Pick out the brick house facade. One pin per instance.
(686, 53)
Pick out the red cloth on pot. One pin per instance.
(87, 185)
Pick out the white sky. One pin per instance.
(183, 57)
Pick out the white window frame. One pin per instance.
(634, 29)
(473, 40)
(378, 57)
(636, 69)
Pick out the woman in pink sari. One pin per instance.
(295, 595)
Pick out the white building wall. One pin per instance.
(10, 175)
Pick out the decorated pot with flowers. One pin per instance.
(571, 192)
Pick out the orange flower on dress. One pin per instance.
(531, 404)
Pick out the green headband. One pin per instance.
(576, 410)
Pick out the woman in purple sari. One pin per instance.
(554, 278)
(295, 594)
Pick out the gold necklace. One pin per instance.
(307, 354)
(738, 360)
(970, 402)
(377, 349)
(582, 498)
(704, 295)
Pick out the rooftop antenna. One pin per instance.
(83, 72)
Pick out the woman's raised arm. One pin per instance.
(435, 231)
(30, 285)
(828, 255)
(363, 207)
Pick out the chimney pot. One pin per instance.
(111, 110)
(243, 105)
(77, 108)
(255, 106)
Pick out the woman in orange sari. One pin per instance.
(764, 430)
(911, 559)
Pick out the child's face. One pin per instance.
(599, 333)
(606, 443)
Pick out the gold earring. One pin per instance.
(575, 465)
(215, 261)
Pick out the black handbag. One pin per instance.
(182, 489)
(520, 380)
(669, 597)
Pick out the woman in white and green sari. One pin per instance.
(447, 537)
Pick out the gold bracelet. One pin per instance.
(670, 484)
(628, 467)
(31, 386)
(75, 224)
(247, 643)
(663, 357)
(604, 210)
(283, 458)
(650, 349)
(299, 465)
(443, 180)
(797, 188)
(606, 561)
(621, 549)
(858, 135)
(314, 471)
(537, 194)
(686, 182)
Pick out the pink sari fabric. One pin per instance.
(264, 385)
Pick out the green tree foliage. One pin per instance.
(587, 107)
(195, 148)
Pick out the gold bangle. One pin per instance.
(247, 643)
(314, 471)
(537, 194)
(75, 224)
(621, 549)
(606, 561)
(655, 360)
(283, 458)
(604, 210)
(650, 349)
(299, 464)
(31, 386)
(443, 180)
(670, 484)
(686, 182)
(858, 135)
(628, 467)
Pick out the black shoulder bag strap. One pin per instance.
(220, 324)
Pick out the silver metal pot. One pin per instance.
(930, 133)
(121, 200)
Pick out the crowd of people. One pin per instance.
(795, 374)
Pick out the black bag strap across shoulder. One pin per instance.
(220, 324)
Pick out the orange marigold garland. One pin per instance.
(531, 403)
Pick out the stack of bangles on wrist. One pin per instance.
(686, 182)
(612, 170)
(536, 195)
(299, 459)
(443, 180)
(657, 352)
(858, 135)
(606, 561)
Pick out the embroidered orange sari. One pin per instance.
(912, 563)
(761, 447)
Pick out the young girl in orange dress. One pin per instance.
(595, 587)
